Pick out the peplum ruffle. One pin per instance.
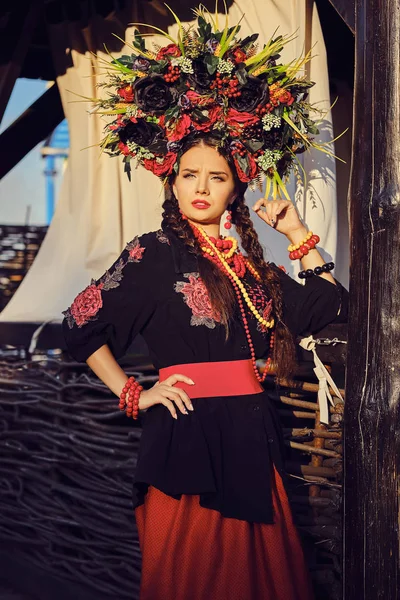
(223, 451)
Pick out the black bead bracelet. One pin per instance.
(317, 271)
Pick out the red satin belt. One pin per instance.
(224, 378)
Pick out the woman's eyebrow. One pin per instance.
(211, 172)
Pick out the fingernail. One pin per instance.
(192, 382)
(185, 412)
(191, 407)
(175, 416)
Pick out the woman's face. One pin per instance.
(204, 186)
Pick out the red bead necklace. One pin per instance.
(240, 268)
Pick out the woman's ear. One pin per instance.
(174, 190)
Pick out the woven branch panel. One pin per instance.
(68, 458)
(19, 245)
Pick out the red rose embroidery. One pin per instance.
(135, 250)
(87, 304)
(161, 169)
(197, 298)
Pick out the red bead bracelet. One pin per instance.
(129, 398)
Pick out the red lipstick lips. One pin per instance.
(201, 204)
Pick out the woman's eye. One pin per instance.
(188, 175)
(219, 178)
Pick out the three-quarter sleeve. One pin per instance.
(113, 309)
(310, 307)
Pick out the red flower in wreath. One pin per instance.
(124, 148)
(126, 93)
(214, 114)
(251, 167)
(171, 50)
(87, 304)
(179, 129)
(161, 169)
(237, 120)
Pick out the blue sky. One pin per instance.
(25, 185)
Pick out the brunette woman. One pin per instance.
(211, 508)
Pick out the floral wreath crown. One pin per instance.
(210, 81)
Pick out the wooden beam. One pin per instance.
(33, 126)
(346, 9)
(372, 414)
(15, 37)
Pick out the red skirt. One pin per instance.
(194, 553)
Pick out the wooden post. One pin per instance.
(372, 420)
(16, 34)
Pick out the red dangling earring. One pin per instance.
(228, 223)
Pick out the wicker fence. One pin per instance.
(19, 245)
(68, 457)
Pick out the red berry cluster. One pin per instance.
(172, 75)
(227, 86)
(261, 110)
(239, 148)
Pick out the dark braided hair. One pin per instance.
(222, 296)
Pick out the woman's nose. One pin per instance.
(202, 187)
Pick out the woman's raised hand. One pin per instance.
(165, 393)
(279, 214)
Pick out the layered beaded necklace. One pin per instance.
(226, 255)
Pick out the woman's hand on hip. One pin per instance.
(165, 393)
(279, 214)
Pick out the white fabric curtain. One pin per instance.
(98, 210)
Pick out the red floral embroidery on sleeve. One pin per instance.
(85, 306)
(135, 250)
(196, 297)
(87, 303)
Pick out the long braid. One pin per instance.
(284, 349)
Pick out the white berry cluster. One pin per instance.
(185, 64)
(139, 151)
(133, 111)
(269, 159)
(269, 121)
(225, 66)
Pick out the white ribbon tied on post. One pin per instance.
(324, 378)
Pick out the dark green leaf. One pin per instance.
(249, 40)
(138, 41)
(200, 115)
(243, 163)
(241, 74)
(254, 145)
(211, 63)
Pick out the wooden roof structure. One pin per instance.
(371, 560)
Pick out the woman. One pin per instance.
(212, 114)
(211, 509)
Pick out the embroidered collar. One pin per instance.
(184, 261)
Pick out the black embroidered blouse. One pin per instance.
(224, 448)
